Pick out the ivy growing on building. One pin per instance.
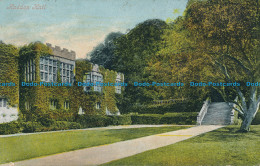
(9, 73)
(45, 103)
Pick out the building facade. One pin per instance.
(96, 96)
(50, 87)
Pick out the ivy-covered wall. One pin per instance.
(9, 73)
(87, 100)
(35, 101)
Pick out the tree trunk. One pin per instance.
(245, 126)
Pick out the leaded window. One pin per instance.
(30, 71)
(96, 79)
(66, 72)
(48, 69)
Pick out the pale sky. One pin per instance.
(78, 25)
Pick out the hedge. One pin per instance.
(168, 118)
(120, 120)
(184, 118)
(101, 121)
(10, 128)
(146, 119)
(92, 120)
(82, 121)
(29, 127)
(167, 108)
(62, 125)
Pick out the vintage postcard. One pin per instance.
(129, 82)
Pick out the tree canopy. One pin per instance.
(215, 41)
(133, 53)
(103, 53)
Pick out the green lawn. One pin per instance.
(221, 147)
(35, 145)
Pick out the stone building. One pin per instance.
(46, 64)
(44, 85)
(96, 79)
(42, 92)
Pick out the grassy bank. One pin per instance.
(224, 146)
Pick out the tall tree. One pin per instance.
(133, 53)
(178, 60)
(227, 31)
(215, 41)
(103, 53)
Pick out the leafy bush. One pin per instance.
(74, 125)
(146, 119)
(59, 125)
(165, 108)
(101, 121)
(62, 125)
(30, 127)
(92, 120)
(120, 120)
(10, 128)
(185, 118)
(45, 120)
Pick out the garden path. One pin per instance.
(106, 153)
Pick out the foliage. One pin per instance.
(103, 54)
(9, 128)
(87, 121)
(216, 41)
(146, 119)
(30, 127)
(101, 121)
(166, 108)
(79, 96)
(227, 33)
(39, 97)
(187, 118)
(132, 54)
(108, 98)
(177, 60)
(62, 125)
(9, 73)
(120, 120)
